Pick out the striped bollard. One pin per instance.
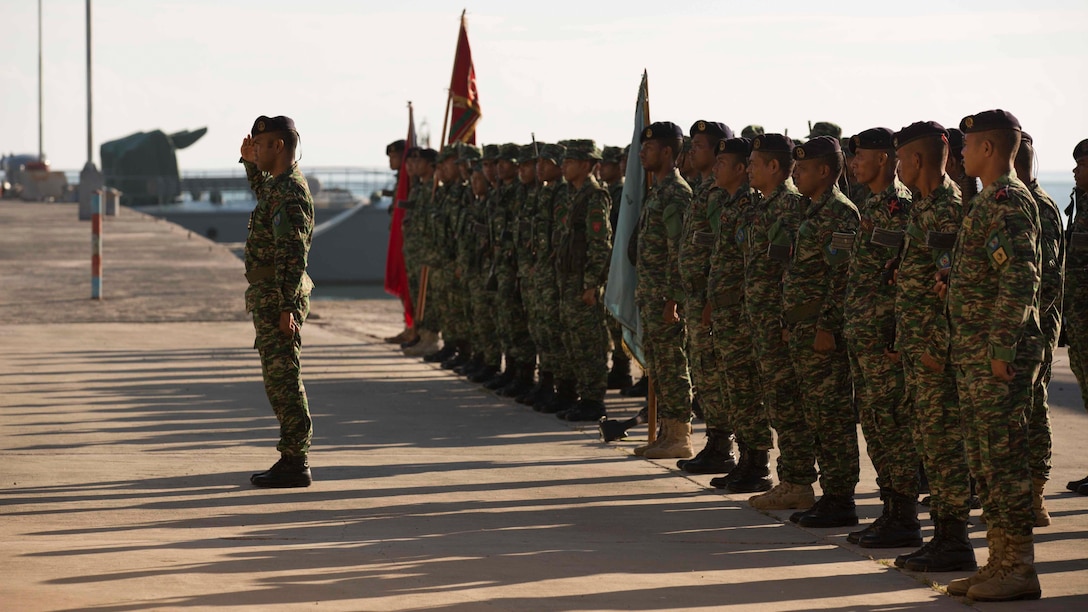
(96, 246)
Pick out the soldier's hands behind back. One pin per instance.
(287, 324)
(824, 342)
(1002, 370)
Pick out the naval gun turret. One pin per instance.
(144, 165)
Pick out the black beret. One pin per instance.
(955, 139)
(397, 146)
(872, 138)
(425, 154)
(264, 124)
(772, 143)
(661, 130)
(1081, 150)
(820, 146)
(919, 129)
(996, 119)
(734, 146)
(1025, 137)
(715, 129)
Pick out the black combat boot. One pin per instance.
(448, 350)
(620, 376)
(522, 383)
(830, 511)
(855, 536)
(1075, 485)
(716, 458)
(460, 359)
(720, 482)
(484, 374)
(470, 366)
(542, 392)
(900, 529)
(949, 550)
(566, 396)
(585, 410)
(753, 473)
(289, 471)
(501, 380)
(639, 389)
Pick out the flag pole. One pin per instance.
(449, 92)
(651, 396)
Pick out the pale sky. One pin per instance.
(344, 70)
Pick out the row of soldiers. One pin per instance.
(905, 299)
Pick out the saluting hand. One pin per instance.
(249, 150)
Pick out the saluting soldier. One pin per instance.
(281, 229)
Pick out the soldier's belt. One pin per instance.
(1078, 240)
(259, 274)
(703, 238)
(887, 238)
(726, 298)
(941, 240)
(779, 252)
(842, 240)
(803, 312)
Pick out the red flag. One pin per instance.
(396, 273)
(463, 95)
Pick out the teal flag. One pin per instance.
(619, 293)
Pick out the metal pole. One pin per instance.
(90, 135)
(41, 147)
(96, 245)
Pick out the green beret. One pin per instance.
(509, 152)
(583, 150)
(996, 119)
(490, 152)
(825, 128)
(751, 131)
(553, 153)
(612, 155)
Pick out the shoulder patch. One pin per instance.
(895, 207)
(998, 248)
(1001, 194)
(277, 219)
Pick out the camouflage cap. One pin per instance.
(583, 150)
(612, 155)
(429, 155)
(528, 153)
(872, 138)
(448, 152)
(553, 153)
(490, 152)
(734, 146)
(772, 143)
(686, 146)
(508, 152)
(985, 121)
(715, 129)
(825, 128)
(844, 144)
(264, 125)
(468, 153)
(397, 146)
(751, 131)
(1081, 150)
(918, 130)
(821, 146)
(955, 140)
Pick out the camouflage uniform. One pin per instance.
(513, 323)
(813, 290)
(869, 328)
(474, 261)
(1052, 243)
(767, 233)
(525, 255)
(993, 298)
(281, 228)
(615, 329)
(693, 262)
(1075, 309)
(659, 235)
(730, 216)
(922, 328)
(583, 248)
(412, 241)
(545, 283)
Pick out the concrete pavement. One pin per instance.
(128, 443)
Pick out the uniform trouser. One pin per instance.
(551, 353)
(517, 343)
(886, 416)
(706, 370)
(740, 378)
(485, 341)
(663, 347)
(615, 333)
(436, 310)
(1076, 335)
(1040, 436)
(995, 428)
(455, 328)
(781, 396)
(585, 339)
(411, 267)
(282, 373)
(828, 407)
(535, 319)
(939, 437)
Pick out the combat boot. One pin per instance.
(855, 536)
(448, 350)
(403, 336)
(784, 496)
(470, 366)
(584, 410)
(289, 471)
(566, 396)
(754, 473)
(662, 430)
(677, 443)
(639, 389)
(427, 344)
(522, 383)
(720, 482)
(464, 352)
(505, 378)
(620, 375)
(542, 392)
(1016, 578)
(484, 374)
(1038, 506)
(900, 530)
(831, 511)
(1075, 485)
(716, 457)
(949, 550)
(995, 540)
